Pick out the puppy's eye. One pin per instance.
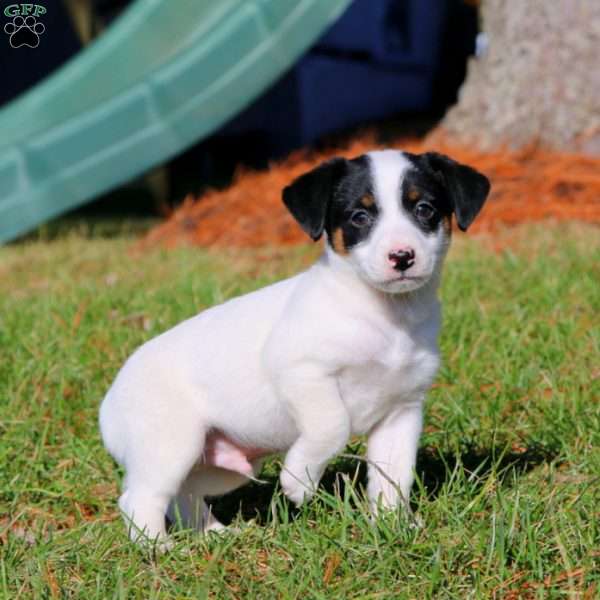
(424, 211)
(360, 218)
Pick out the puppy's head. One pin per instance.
(388, 213)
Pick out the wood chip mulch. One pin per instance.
(527, 185)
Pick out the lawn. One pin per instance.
(508, 471)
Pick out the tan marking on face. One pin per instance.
(413, 194)
(367, 200)
(338, 242)
(447, 224)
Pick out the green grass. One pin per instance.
(509, 466)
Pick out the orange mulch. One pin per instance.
(527, 185)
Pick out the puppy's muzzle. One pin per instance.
(402, 259)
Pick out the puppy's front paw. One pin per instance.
(297, 489)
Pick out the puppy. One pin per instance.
(347, 347)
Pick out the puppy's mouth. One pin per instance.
(404, 278)
(409, 280)
(401, 283)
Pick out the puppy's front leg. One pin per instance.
(323, 423)
(392, 452)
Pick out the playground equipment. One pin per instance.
(161, 78)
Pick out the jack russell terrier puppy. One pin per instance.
(348, 347)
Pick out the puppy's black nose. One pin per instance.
(402, 259)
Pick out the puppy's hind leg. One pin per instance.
(156, 467)
(190, 507)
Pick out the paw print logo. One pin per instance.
(24, 31)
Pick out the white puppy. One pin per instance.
(347, 347)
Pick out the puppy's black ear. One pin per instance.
(308, 196)
(467, 188)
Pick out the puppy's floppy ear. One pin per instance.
(308, 196)
(467, 188)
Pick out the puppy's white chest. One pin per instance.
(400, 372)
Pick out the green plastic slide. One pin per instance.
(166, 74)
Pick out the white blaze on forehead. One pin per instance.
(388, 168)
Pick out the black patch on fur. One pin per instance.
(309, 196)
(351, 189)
(465, 189)
(325, 199)
(431, 191)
